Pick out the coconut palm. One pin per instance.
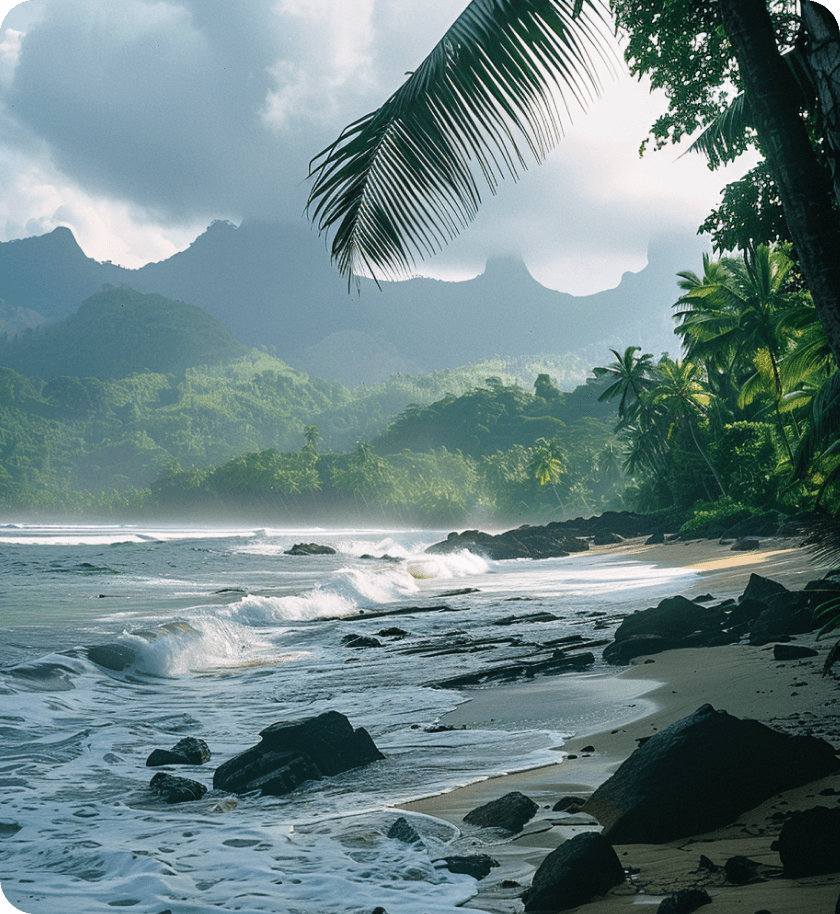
(632, 376)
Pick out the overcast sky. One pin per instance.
(137, 123)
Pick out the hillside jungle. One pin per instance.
(139, 407)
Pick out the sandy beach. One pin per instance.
(634, 702)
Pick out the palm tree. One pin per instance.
(400, 181)
(547, 464)
(682, 394)
(632, 376)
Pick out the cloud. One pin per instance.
(144, 120)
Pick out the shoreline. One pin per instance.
(610, 709)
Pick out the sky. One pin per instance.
(136, 124)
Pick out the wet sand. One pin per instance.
(610, 710)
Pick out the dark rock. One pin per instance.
(745, 544)
(760, 588)
(741, 870)
(703, 598)
(621, 652)
(745, 612)
(684, 902)
(793, 652)
(310, 549)
(568, 804)
(523, 543)
(809, 842)
(701, 773)
(291, 752)
(392, 633)
(706, 864)
(786, 614)
(509, 813)
(606, 538)
(655, 539)
(403, 830)
(476, 865)
(579, 869)
(176, 790)
(360, 641)
(188, 751)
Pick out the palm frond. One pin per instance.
(722, 141)
(402, 181)
(823, 429)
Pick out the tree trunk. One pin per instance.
(804, 185)
(823, 56)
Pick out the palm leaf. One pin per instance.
(723, 140)
(402, 181)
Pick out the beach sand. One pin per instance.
(636, 701)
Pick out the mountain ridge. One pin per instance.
(272, 287)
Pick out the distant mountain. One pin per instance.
(119, 332)
(273, 286)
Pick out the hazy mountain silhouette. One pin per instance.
(273, 286)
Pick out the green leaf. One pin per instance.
(404, 180)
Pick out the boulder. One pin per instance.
(291, 752)
(760, 588)
(745, 544)
(701, 773)
(809, 843)
(580, 868)
(176, 790)
(310, 549)
(607, 538)
(670, 624)
(525, 542)
(188, 751)
(403, 830)
(509, 813)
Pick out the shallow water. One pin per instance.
(225, 635)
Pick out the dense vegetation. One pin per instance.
(747, 420)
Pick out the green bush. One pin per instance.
(714, 519)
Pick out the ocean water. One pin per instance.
(224, 635)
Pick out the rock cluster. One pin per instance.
(767, 611)
(310, 549)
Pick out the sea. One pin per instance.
(221, 633)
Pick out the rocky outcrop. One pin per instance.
(291, 752)
(582, 867)
(188, 751)
(310, 549)
(523, 543)
(510, 813)
(701, 773)
(766, 612)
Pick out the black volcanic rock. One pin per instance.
(523, 543)
(310, 549)
(701, 773)
(809, 843)
(291, 752)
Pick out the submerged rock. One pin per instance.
(476, 865)
(188, 751)
(701, 773)
(291, 752)
(176, 790)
